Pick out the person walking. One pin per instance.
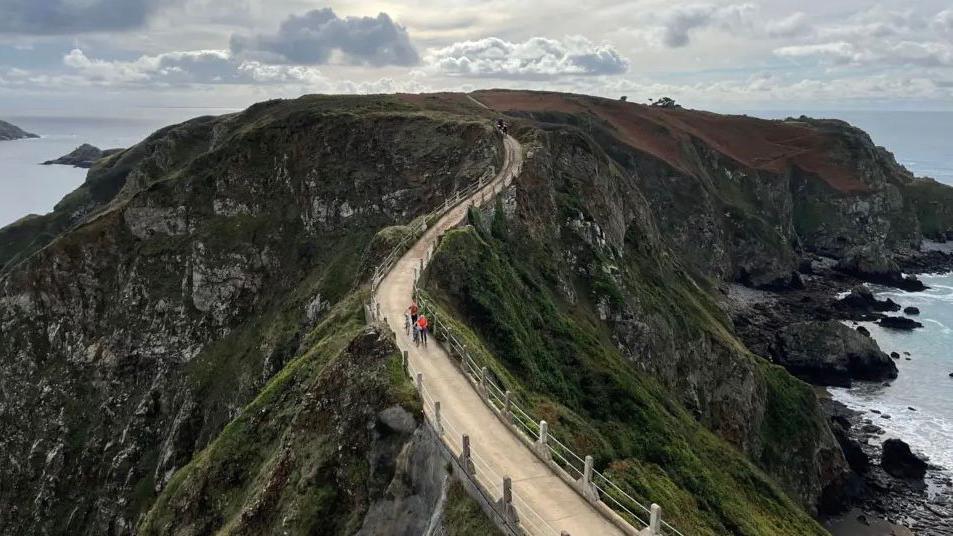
(413, 310)
(423, 324)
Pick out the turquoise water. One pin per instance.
(923, 382)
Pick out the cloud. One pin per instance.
(907, 53)
(943, 22)
(680, 20)
(318, 36)
(170, 68)
(535, 58)
(57, 17)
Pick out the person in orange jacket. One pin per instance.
(423, 324)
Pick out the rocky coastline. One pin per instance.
(84, 156)
(813, 331)
(9, 132)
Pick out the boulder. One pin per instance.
(830, 353)
(863, 331)
(898, 461)
(899, 322)
(894, 355)
(863, 300)
(911, 310)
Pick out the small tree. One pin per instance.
(623, 98)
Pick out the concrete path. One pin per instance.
(544, 502)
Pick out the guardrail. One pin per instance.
(577, 470)
(517, 515)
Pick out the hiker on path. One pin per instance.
(416, 330)
(424, 328)
(413, 310)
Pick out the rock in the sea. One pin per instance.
(899, 322)
(862, 299)
(83, 156)
(830, 353)
(12, 132)
(911, 310)
(863, 331)
(900, 462)
(894, 355)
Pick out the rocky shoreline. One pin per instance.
(808, 329)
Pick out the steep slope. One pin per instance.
(575, 297)
(157, 300)
(12, 132)
(757, 192)
(182, 353)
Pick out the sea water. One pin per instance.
(924, 381)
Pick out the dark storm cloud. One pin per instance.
(313, 38)
(54, 17)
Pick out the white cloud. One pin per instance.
(314, 38)
(535, 58)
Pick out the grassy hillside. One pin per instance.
(562, 362)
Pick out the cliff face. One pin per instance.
(756, 193)
(12, 132)
(181, 352)
(570, 287)
(157, 300)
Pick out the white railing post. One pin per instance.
(466, 461)
(586, 487)
(436, 417)
(508, 406)
(420, 383)
(483, 386)
(421, 265)
(655, 518)
(542, 444)
(377, 305)
(506, 503)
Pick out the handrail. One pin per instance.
(609, 492)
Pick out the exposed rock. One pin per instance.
(911, 310)
(863, 331)
(894, 355)
(12, 132)
(899, 322)
(83, 156)
(862, 299)
(899, 461)
(830, 353)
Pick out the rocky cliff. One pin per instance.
(84, 156)
(156, 301)
(182, 352)
(12, 132)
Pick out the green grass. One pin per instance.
(563, 365)
(463, 515)
(282, 458)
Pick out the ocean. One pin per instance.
(919, 140)
(923, 382)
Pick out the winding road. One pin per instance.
(545, 503)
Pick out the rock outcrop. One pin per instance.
(900, 462)
(144, 313)
(830, 353)
(10, 132)
(84, 156)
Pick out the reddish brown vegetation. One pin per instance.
(757, 144)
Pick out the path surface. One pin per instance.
(497, 451)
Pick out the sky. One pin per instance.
(92, 56)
